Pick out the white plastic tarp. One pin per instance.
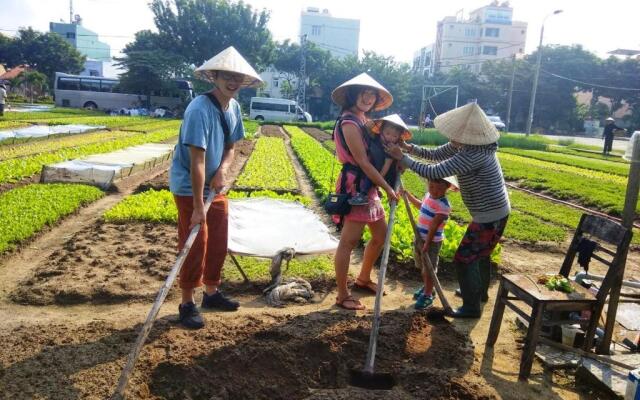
(102, 169)
(30, 108)
(36, 131)
(261, 227)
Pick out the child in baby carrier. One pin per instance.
(384, 131)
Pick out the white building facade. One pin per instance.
(422, 61)
(340, 36)
(489, 33)
(280, 85)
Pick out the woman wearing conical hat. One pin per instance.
(471, 156)
(212, 124)
(357, 97)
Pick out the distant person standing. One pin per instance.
(610, 129)
(3, 97)
(427, 121)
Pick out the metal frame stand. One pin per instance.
(434, 90)
(237, 264)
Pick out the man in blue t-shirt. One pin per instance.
(212, 125)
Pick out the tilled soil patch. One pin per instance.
(317, 134)
(272, 131)
(103, 263)
(261, 357)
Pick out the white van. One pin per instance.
(271, 109)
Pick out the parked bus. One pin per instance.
(99, 93)
(271, 109)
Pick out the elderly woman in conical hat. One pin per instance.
(212, 124)
(471, 156)
(357, 97)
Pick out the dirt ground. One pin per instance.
(317, 134)
(71, 302)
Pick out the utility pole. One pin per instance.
(302, 76)
(513, 77)
(532, 102)
(71, 11)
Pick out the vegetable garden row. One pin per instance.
(270, 173)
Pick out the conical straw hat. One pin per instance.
(386, 99)
(395, 119)
(454, 183)
(467, 125)
(229, 60)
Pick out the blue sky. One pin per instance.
(396, 28)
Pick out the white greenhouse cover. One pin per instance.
(261, 227)
(102, 169)
(30, 108)
(36, 131)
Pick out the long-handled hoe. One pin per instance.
(153, 313)
(366, 378)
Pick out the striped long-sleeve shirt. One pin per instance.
(479, 175)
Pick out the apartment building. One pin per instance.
(489, 33)
(340, 36)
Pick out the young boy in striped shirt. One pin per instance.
(434, 212)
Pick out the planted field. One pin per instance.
(250, 128)
(316, 160)
(25, 211)
(604, 192)
(158, 206)
(59, 142)
(268, 167)
(605, 166)
(13, 170)
(238, 194)
(586, 154)
(154, 125)
(4, 125)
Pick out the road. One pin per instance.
(618, 143)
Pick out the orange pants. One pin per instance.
(206, 258)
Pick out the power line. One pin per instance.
(588, 83)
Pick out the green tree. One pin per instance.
(35, 83)
(148, 67)
(198, 29)
(47, 53)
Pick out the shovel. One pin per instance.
(424, 260)
(153, 313)
(366, 378)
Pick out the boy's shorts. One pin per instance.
(433, 254)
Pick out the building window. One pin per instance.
(71, 35)
(490, 50)
(522, 31)
(520, 51)
(469, 32)
(492, 32)
(468, 51)
(450, 44)
(315, 30)
(275, 83)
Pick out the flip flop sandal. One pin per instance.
(366, 287)
(356, 305)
